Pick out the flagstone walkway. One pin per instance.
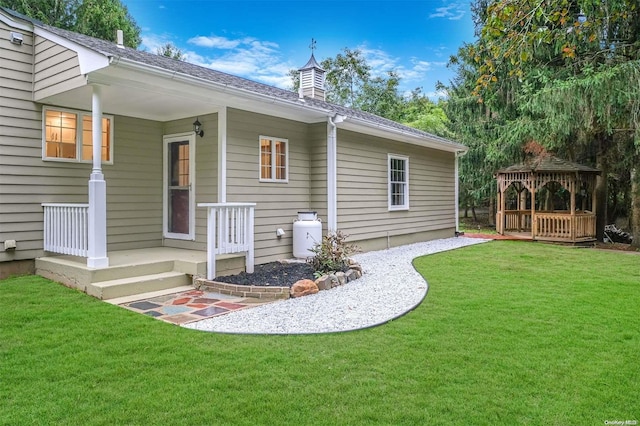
(188, 306)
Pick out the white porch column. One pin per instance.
(222, 155)
(97, 250)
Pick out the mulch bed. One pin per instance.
(271, 274)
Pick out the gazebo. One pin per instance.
(548, 199)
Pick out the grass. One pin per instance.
(481, 226)
(510, 333)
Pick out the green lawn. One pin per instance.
(509, 333)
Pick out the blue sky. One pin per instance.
(262, 40)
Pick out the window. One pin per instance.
(398, 182)
(273, 159)
(68, 136)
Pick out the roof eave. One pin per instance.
(221, 87)
(378, 129)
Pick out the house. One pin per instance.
(99, 155)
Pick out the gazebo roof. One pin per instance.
(546, 164)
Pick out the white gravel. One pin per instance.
(389, 288)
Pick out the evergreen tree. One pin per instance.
(562, 73)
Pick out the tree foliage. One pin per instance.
(347, 75)
(349, 82)
(562, 73)
(96, 18)
(171, 51)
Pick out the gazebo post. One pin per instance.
(503, 213)
(499, 229)
(533, 205)
(573, 206)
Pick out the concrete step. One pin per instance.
(69, 272)
(139, 284)
(148, 295)
(135, 271)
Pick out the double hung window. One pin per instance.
(398, 182)
(273, 159)
(68, 136)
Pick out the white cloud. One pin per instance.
(152, 42)
(247, 57)
(379, 61)
(262, 61)
(214, 42)
(411, 71)
(452, 12)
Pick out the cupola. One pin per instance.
(312, 78)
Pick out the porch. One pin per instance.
(67, 232)
(136, 272)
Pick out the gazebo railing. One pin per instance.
(517, 220)
(564, 226)
(550, 225)
(585, 225)
(553, 225)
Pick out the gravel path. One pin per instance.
(389, 288)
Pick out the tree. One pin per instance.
(347, 74)
(563, 73)
(96, 18)
(349, 83)
(102, 18)
(171, 51)
(56, 13)
(422, 113)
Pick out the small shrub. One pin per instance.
(332, 253)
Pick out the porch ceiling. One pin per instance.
(158, 98)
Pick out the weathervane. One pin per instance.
(312, 46)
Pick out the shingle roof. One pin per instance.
(311, 63)
(549, 163)
(111, 49)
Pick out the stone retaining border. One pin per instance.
(254, 291)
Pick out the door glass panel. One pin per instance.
(179, 187)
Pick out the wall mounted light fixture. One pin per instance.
(16, 38)
(197, 128)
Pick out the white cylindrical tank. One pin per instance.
(307, 232)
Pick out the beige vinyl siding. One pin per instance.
(277, 203)
(318, 170)
(134, 182)
(206, 184)
(20, 217)
(363, 210)
(56, 69)
(134, 185)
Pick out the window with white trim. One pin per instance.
(273, 159)
(398, 182)
(67, 136)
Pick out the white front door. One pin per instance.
(179, 186)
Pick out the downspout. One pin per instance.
(457, 191)
(332, 172)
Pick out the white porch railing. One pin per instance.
(229, 230)
(66, 228)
